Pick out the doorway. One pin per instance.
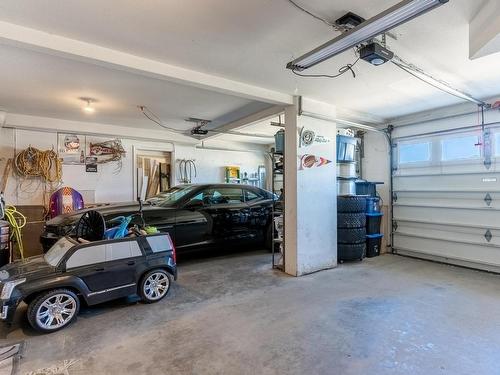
(153, 170)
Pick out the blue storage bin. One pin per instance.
(373, 221)
(373, 205)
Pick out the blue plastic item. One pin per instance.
(346, 147)
(372, 205)
(119, 231)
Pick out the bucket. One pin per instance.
(373, 205)
(373, 222)
(346, 187)
(346, 170)
(373, 244)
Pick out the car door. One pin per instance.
(193, 223)
(161, 218)
(230, 214)
(107, 268)
(260, 207)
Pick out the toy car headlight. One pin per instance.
(9, 286)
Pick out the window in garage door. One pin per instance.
(447, 207)
(460, 148)
(414, 152)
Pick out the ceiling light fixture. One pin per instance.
(88, 108)
(441, 85)
(369, 29)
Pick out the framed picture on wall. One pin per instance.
(71, 148)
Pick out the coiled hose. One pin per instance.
(17, 222)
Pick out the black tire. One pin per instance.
(351, 204)
(351, 235)
(142, 289)
(351, 251)
(351, 220)
(35, 307)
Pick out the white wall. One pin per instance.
(210, 163)
(310, 195)
(376, 162)
(111, 185)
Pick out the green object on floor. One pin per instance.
(151, 230)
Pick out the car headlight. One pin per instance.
(9, 286)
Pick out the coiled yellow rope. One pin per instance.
(46, 165)
(33, 162)
(17, 222)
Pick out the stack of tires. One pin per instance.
(351, 228)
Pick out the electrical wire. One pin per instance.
(325, 21)
(154, 118)
(150, 115)
(344, 69)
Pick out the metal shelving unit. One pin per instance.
(278, 186)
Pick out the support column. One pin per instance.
(310, 189)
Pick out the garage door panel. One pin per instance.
(480, 182)
(449, 232)
(449, 199)
(445, 208)
(462, 217)
(477, 255)
(446, 170)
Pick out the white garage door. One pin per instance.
(447, 197)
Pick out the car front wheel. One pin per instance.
(53, 310)
(154, 285)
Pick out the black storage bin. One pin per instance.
(373, 244)
(373, 222)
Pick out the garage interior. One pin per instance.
(297, 186)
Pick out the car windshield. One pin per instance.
(171, 196)
(57, 251)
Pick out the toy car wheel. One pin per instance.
(53, 310)
(154, 285)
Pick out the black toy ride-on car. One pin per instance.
(53, 285)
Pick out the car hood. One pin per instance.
(29, 267)
(114, 209)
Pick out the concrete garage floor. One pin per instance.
(233, 315)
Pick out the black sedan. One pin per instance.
(196, 216)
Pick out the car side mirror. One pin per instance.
(194, 204)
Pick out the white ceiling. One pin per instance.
(249, 41)
(39, 84)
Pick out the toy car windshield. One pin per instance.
(57, 251)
